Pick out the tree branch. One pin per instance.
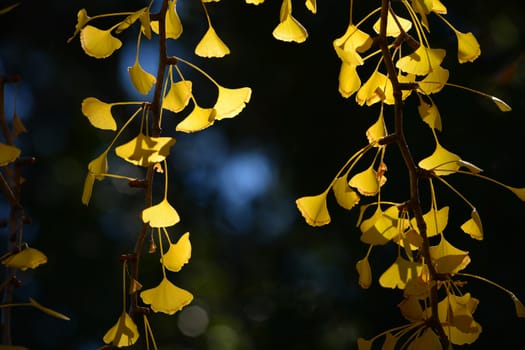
(413, 171)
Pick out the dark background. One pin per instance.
(261, 277)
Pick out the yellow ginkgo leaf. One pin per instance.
(399, 273)
(448, 259)
(160, 215)
(349, 81)
(99, 165)
(468, 47)
(422, 61)
(314, 209)
(199, 119)
(130, 19)
(311, 5)
(345, 196)
(87, 190)
(436, 221)
(231, 102)
(377, 131)
(145, 24)
(142, 80)
(178, 96)
(381, 227)
(411, 309)
(520, 192)
(166, 297)
(254, 2)
(82, 20)
(173, 24)
(366, 182)
(428, 340)
(441, 161)
(211, 45)
(47, 310)
(365, 273)
(289, 29)
(392, 26)
(8, 154)
(473, 226)
(430, 114)
(123, 333)
(99, 113)
(434, 81)
(455, 313)
(364, 344)
(98, 43)
(178, 254)
(502, 105)
(145, 150)
(377, 88)
(29, 258)
(350, 44)
(96, 167)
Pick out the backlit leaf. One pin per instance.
(399, 273)
(365, 273)
(369, 91)
(468, 47)
(145, 150)
(434, 81)
(289, 29)
(314, 209)
(381, 227)
(366, 182)
(199, 119)
(441, 161)
(345, 196)
(178, 254)
(311, 5)
(427, 341)
(178, 96)
(166, 297)
(99, 113)
(173, 24)
(447, 258)
(28, 258)
(502, 105)
(430, 114)
(8, 154)
(98, 43)
(520, 192)
(473, 226)
(129, 20)
(349, 81)
(350, 44)
(230, 102)
(392, 27)
(211, 45)
(142, 80)
(436, 221)
(422, 61)
(160, 215)
(123, 333)
(377, 131)
(82, 20)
